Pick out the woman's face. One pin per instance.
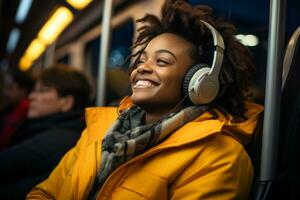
(157, 81)
(44, 101)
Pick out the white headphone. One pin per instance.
(201, 82)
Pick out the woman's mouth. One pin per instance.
(144, 84)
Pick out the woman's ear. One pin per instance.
(67, 103)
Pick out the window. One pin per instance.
(117, 78)
(65, 59)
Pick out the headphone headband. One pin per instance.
(218, 52)
(218, 40)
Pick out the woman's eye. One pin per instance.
(139, 62)
(162, 62)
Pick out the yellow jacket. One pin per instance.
(204, 159)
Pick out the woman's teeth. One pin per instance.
(143, 84)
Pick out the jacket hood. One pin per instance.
(242, 131)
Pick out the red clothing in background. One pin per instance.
(11, 121)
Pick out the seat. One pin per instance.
(289, 137)
(285, 186)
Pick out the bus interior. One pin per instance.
(101, 33)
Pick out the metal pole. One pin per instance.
(105, 42)
(273, 90)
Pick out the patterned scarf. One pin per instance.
(129, 137)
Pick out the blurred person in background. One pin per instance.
(55, 121)
(17, 86)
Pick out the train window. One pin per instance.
(117, 80)
(65, 59)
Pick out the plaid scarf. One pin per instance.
(129, 137)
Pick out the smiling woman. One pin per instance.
(159, 74)
(180, 135)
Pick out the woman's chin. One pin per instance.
(141, 101)
(138, 101)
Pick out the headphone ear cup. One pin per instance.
(200, 86)
(191, 72)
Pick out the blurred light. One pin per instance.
(49, 32)
(251, 40)
(55, 25)
(248, 40)
(116, 58)
(34, 50)
(79, 4)
(22, 11)
(240, 37)
(13, 40)
(25, 64)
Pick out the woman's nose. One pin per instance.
(144, 68)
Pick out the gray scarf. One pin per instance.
(129, 137)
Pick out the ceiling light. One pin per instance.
(12, 40)
(79, 4)
(55, 25)
(22, 11)
(25, 64)
(34, 50)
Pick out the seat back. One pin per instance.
(288, 179)
(289, 137)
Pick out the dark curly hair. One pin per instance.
(180, 18)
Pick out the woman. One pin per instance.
(54, 125)
(162, 146)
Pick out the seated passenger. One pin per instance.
(177, 140)
(56, 120)
(17, 86)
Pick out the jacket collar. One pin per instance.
(99, 120)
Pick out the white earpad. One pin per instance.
(202, 88)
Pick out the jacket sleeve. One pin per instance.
(223, 170)
(51, 187)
